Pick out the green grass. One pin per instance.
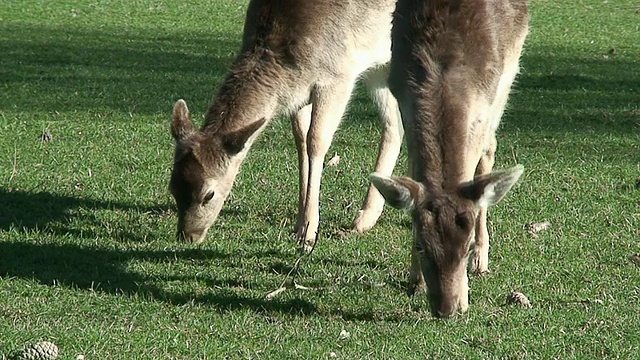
(87, 254)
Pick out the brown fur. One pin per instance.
(453, 62)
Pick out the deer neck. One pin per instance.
(439, 142)
(248, 94)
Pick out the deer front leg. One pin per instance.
(388, 150)
(329, 103)
(479, 258)
(300, 125)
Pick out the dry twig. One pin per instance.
(289, 281)
(14, 171)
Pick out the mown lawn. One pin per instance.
(87, 254)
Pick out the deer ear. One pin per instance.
(399, 192)
(183, 149)
(235, 141)
(488, 190)
(181, 125)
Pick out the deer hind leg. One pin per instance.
(479, 258)
(417, 284)
(389, 148)
(328, 105)
(300, 122)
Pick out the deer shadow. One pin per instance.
(105, 270)
(54, 214)
(56, 69)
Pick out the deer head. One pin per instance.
(204, 168)
(444, 228)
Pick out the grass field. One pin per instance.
(87, 254)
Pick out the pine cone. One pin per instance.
(43, 350)
(518, 298)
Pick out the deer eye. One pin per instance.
(208, 197)
(462, 221)
(429, 206)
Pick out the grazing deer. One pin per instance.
(452, 67)
(300, 58)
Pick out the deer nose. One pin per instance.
(192, 237)
(444, 314)
(447, 308)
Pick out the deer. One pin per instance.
(452, 67)
(300, 59)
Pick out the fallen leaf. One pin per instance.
(593, 301)
(334, 161)
(535, 228)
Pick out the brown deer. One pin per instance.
(452, 67)
(300, 58)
